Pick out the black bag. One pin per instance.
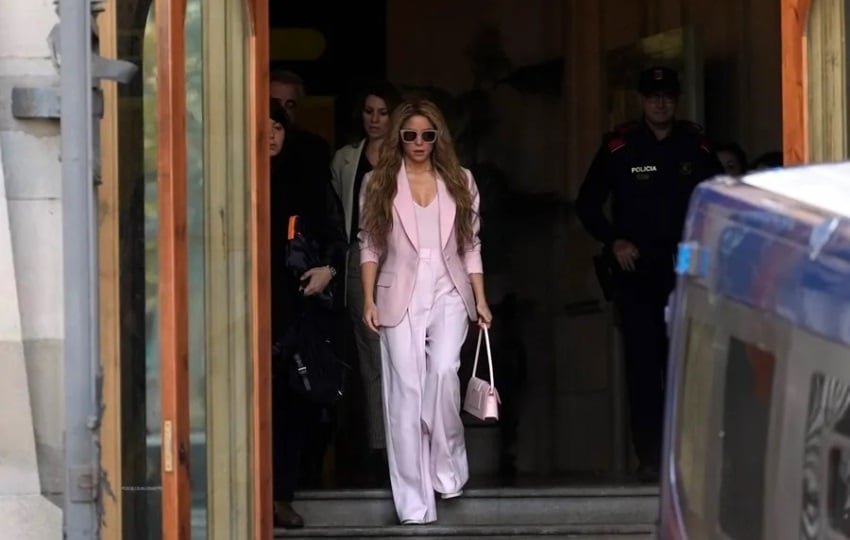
(311, 365)
(303, 253)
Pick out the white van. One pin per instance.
(757, 438)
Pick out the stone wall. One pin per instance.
(31, 259)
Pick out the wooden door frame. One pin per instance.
(258, 92)
(173, 270)
(795, 139)
(109, 286)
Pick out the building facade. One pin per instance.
(31, 450)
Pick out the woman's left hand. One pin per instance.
(485, 317)
(317, 280)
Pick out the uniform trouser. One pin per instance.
(645, 343)
(368, 353)
(421, 357)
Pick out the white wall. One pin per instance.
(32, 183)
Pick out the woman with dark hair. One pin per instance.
(423, 281)
(350, 164)
(300, 186)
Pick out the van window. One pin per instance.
(722, 432)
(746, 418)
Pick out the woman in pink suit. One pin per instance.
(422, 282)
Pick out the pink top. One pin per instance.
(428, 227)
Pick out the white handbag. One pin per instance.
(482, 399)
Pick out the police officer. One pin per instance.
(648, 169)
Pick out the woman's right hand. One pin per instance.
(370, 316)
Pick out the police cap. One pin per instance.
(659, 79)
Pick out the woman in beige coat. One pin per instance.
(350, 164)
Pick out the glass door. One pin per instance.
(205, 267)
(191, 169)
(225, 197)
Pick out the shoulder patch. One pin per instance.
(698, 132)
(615, 143)
(692, 127)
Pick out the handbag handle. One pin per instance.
(484, 332)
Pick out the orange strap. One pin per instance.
(291, 231)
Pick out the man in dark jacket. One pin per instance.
(648, 169)
(300, 186)
(287, 88)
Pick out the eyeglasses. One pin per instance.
(661, 99)
(429, 136)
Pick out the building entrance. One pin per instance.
(504, 99)
(528, 93)
(528, 88)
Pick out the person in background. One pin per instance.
(733, 159)
(298, 188)
(349, 165)
(648, 169)
(423, 281)
(287, 88)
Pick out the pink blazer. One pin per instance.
(398, 261)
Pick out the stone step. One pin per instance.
(554, 506)
(477, 532)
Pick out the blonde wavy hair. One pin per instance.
(382, 187)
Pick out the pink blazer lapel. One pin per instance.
(404, 206)
(447, 211)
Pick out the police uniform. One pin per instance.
(649, 182)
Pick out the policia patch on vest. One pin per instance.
(643, 172)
